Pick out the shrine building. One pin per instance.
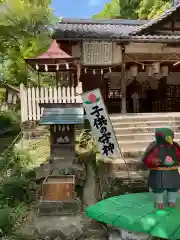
(122, 56)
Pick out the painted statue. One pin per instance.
(162, 157)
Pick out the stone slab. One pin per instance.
(63, 228)
(59, 208)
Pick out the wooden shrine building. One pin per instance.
(125, 56)
(119, 56)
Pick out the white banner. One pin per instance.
(100, 123)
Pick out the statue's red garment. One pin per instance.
(158, 178)
(148, 161)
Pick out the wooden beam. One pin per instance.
(142, 57)
(123, 81)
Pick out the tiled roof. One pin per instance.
(104, 31)
(155, 21)
(113, 29)
(105, 21)
(94, 31)
(155, 37)
(54, 51)
(62, 116)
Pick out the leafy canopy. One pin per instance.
(134, 9)
(25, 29)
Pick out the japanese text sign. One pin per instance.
(100, 123)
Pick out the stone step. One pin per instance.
(132, 152)
(140, 136)
(130, 175)
(134, 144)
(128, 118)
(130, 164)
(147, 123)
(141, 129)
(126, 164)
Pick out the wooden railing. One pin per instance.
(32, 96)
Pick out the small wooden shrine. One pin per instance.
(59, 185)
(62, 119)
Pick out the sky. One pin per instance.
(77, 8)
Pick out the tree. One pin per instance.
(151, 9)
(25, 29)
(134, 9)
(119, 8)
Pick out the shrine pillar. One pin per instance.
(123, 81)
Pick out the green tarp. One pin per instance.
(135, 212)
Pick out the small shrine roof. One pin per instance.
(62, 114)
(54, 52)
(52, 57)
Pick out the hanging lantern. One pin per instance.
(164, 71)
(85, 70)
(101, 71)
(46, 68)
(67, 66)
(37, 67)
(134, 71)
(94, 72)
(149, 71)
(156, 68)
(110, 69)
(78, 71)
(57, 67)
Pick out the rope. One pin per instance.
(6, 150)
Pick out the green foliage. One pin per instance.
(23, 35)
(9, 120)
(15, 178)
(85, 145)
(134, 9)
(151, 9)
(6, 222)
(111, 10)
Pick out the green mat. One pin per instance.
(135, 212)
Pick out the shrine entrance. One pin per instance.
(155, 94)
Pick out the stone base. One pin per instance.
(63, 228)
(59, 208)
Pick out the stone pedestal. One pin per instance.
(59, 208)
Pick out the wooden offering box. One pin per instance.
(59, 188)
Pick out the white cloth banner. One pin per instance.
(100, 123)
